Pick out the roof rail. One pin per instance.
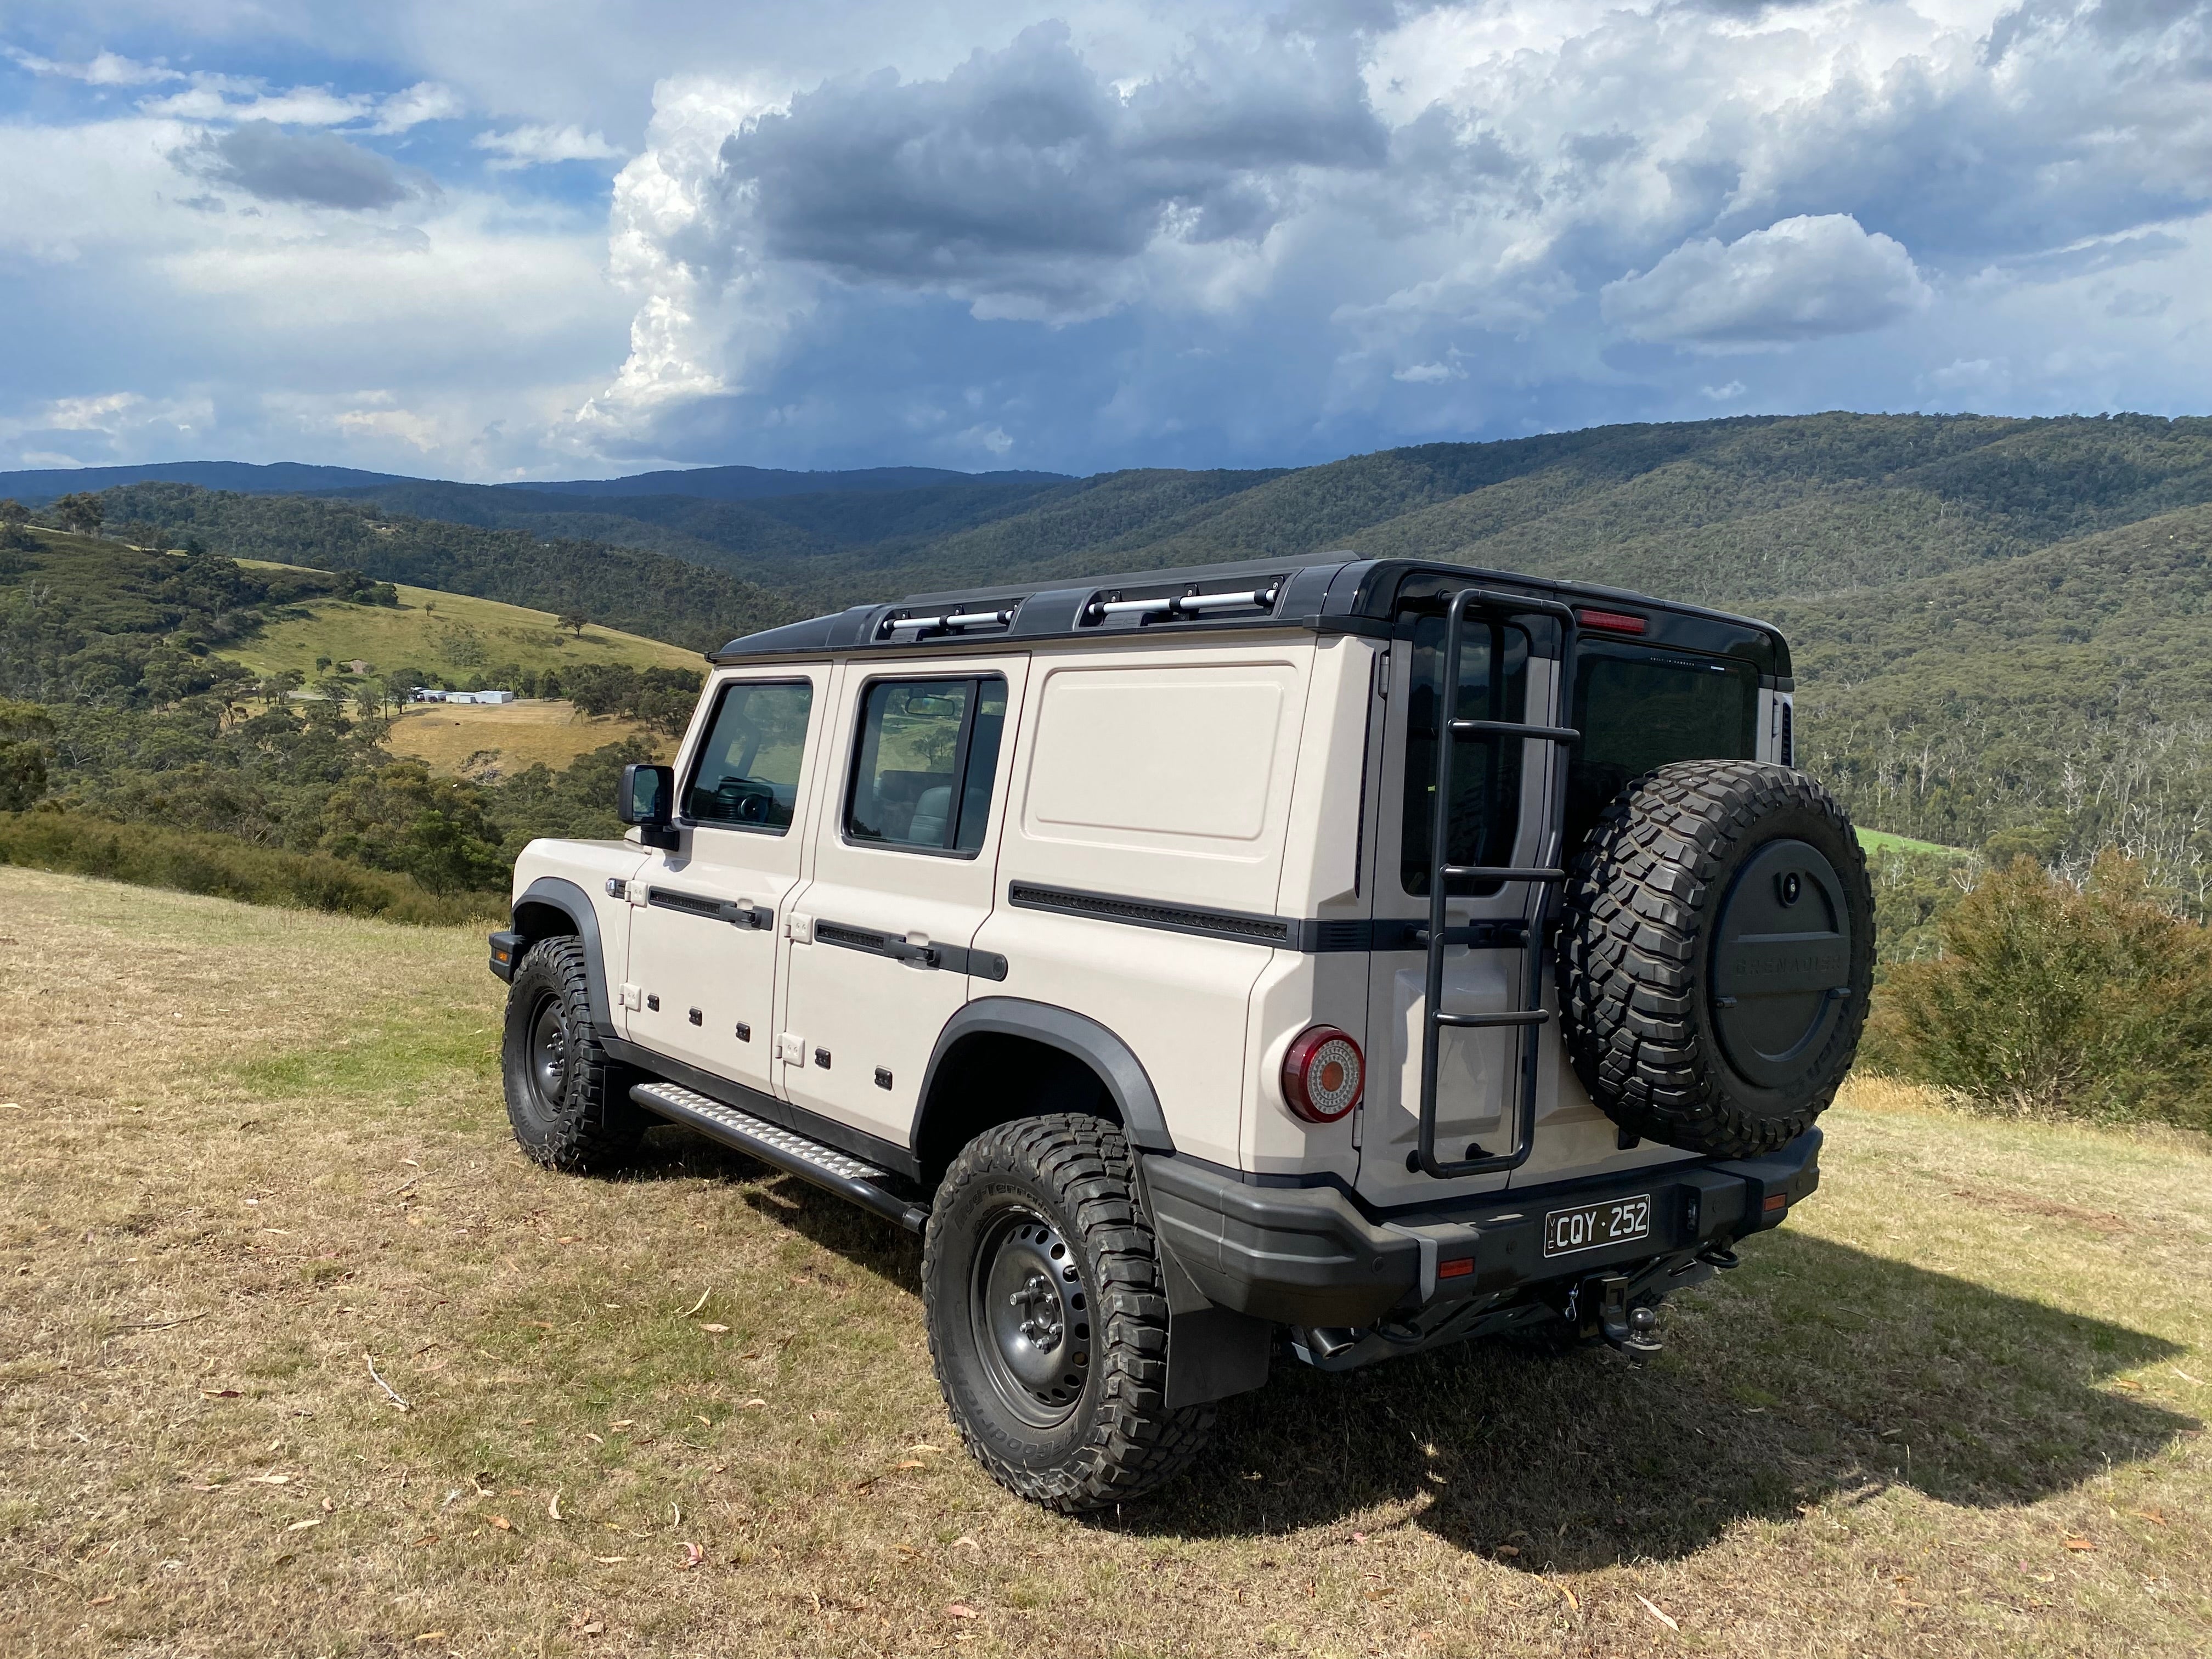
(1193, 603)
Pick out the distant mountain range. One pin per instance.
(714, 484)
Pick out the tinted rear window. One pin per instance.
(1637, 709)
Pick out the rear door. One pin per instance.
(905, 863)
(1497, 819)
(706, 916)
(1637, 707)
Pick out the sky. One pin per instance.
(491, 239)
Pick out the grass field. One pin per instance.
(520, 733)
(1881, 841)
(449, 635)
(1953, 1408)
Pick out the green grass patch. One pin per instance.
(1881, 841)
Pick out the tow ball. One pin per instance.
(1634, 1331)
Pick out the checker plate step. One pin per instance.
(841, 1172)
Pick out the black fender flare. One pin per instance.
(549, 897)
(1116, 1063)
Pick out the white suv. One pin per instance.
(1170, 953)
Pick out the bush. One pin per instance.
(195, 863)
(2092, 1002)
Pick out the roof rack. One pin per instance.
(997, 618)
(1193, 604)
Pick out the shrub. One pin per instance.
(2093, 1001)
(192, 862)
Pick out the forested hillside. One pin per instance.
(2003, 628)
(637, 592)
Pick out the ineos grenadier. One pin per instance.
(1321, 958)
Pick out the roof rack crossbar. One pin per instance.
(1182, 605)
(952, 623)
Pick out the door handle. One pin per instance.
(872, 941)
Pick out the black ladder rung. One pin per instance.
(1517, 729)
(1499, 872)
(1525, 1017)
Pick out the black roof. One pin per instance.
(1334, 592)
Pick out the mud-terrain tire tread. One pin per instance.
(1135, 1442)
(600, 1125)
(1632, 955)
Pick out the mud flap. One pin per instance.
(1213, 1351)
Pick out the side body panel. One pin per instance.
(1154, 781)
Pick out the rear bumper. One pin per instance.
(1315, 1256)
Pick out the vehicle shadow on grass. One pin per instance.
(1813, 1371)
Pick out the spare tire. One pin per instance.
(1716, 955)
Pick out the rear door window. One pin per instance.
(1638, 708)
(922, 769)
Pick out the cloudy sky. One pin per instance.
(493, 239)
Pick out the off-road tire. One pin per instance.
(1637, 989)
(1119, 1439)
(584, 1118)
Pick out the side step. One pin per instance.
(842, 1174)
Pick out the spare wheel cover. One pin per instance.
(1781, 962)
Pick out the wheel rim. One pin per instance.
(549, 1055)
(1032, 1318)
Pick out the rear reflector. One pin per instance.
(1776, 1201)
(1611, 622)
(1459, 1269)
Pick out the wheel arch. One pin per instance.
(1037, 1057)
(551, 906)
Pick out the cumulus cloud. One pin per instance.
(1798, 279)
(317, 169)
(105, 68)
(1024, 179)
(536, 146)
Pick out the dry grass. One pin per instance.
(1952, 1409)
(517, 734)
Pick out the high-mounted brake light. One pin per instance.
(1611, 622)
(1323, 1074)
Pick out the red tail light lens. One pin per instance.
(1323, 1074)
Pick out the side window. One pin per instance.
(1486, 812)
(747, 773)
(922, 769)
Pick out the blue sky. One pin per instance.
(509, 240)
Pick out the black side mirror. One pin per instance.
(648, 800)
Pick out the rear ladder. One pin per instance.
(1542, 880)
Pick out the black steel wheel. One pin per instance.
(1047, 1316)
(568, 1101)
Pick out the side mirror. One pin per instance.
(648, 800)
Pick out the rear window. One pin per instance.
(1485, 813)
(1638, 708)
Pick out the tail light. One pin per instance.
(1323, 1074)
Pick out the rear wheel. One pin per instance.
(568, 1101)
(1048, 1317)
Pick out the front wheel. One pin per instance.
(1049, 1318)
(569, 1103)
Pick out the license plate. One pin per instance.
(1592, 1226)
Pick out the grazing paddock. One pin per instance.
(530, 731)
(1953, 1408)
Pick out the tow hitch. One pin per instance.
(1634, 1331)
